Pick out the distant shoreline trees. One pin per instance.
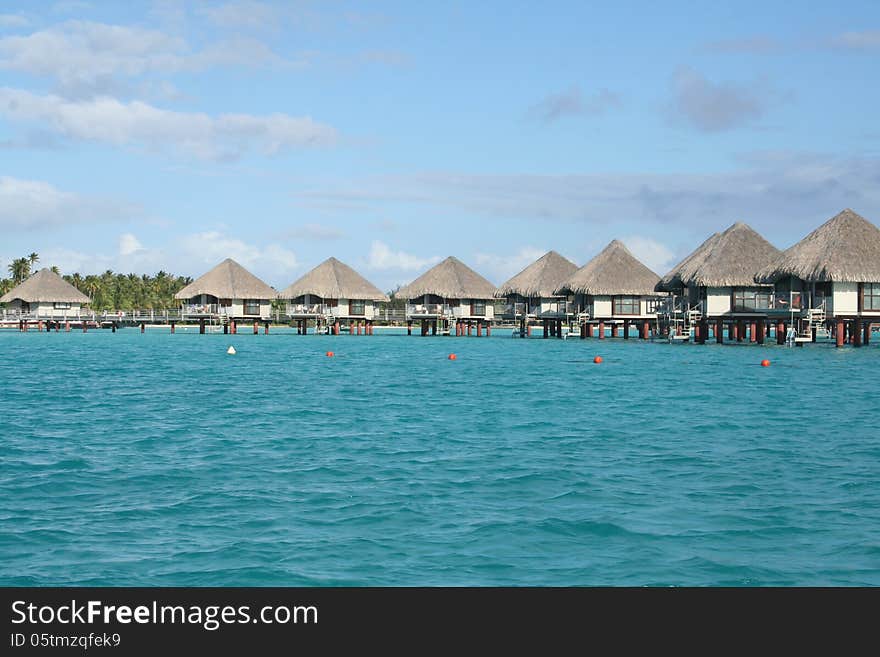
(110, 290)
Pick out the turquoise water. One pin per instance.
(153, 459)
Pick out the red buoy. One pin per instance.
(330, 354)
(597, 360)
(452, 356)
(765, 363)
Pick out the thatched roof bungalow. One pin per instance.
(836, 267)
(614, 285)
(672, 281)
(228, 289)
(449, 290)
(532, 292)
(333, 289)
(45, 294)
(721, 276)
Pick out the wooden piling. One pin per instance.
(856, 333)
(839, 333)
(202, 326)
(758, 329)
(601, 330)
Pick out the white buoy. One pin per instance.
(231, 350)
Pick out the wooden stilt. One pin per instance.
(266, 328)
(646, 326)
(601, 330)
(856, 333)
(780, 332)
(488, 330)
(409, 327)
(719, 331)
(839, 333)
(143, 327)
(172, 328)
(67, 326)
(867, 339)
(202, 326)
(759, 331)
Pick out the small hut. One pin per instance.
(449, 292)
(531, 294)
(331, 292)
(228, 290)
(832, 275)
(45, 295)
(613, 288)
(721, 285)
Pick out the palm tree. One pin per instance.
(20, 269)
(33, 258)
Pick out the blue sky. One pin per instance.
(144, 135)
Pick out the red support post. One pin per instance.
(839, 333)
(601, 330)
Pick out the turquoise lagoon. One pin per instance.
(158, 459)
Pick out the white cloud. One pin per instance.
(210, 247)
(110, 121)
(718, 106)
(382, 257)
(241, 14)
(13, 20)
(35, 204)
(191, 254)
(87, 57)
(502, 267)
(859, 41)
(129, 244)
(655, 255)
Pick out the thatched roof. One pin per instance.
(845, 248)
(45, 286)
(614, 271)
(673, 277)
(733, 259)
(541, 278)
(228, 280)
(333, 280)
(451, 279)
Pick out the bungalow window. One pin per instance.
(357, 307)
(871, 296)
(651, 306)
(627, 305)
(61, 305)
(478, 308)
(251, 306)
(745, 299)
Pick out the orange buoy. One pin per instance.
(597, 360)
(330, 354)
(452, 356)
(765, 363)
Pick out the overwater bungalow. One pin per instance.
(615, 289)
(831, 278)
(531, 294)
(228, 291)
(333, 293)
(715, 285)
(449, 293)
(44, 295)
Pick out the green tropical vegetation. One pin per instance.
(110, 290)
